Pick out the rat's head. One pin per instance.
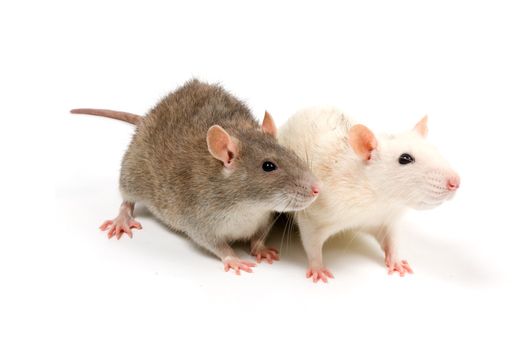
(405, 167)
(259, 169)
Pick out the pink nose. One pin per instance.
(315, 190)
(453, 183)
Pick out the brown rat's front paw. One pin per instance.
(319, 273)
(395, 265)
(237, 265)
(267, 254)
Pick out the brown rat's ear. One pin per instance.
(362, 141)
(421, 127)
(269, 126)
(221, 146)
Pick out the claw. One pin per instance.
(267, 254)
(105, 225)
(401, 266)
(237, 265)
(318, 274)
(120, 225)
(123, 223)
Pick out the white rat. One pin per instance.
(368, 181)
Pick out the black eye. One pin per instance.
(269, 166)
(406, 159)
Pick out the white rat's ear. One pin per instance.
(221, 146)
(362, 141)
(421, 127)
(269, 126)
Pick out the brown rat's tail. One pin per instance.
(124, 116)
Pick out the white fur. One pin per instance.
(357, 194)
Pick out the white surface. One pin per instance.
(64, 286)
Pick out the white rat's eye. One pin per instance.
(269, 166)
(406, 158)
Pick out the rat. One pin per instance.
(368, 181)
(201, 163)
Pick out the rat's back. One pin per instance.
(169, 153)
(192, 109)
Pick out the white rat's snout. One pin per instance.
(439, 186)
(453, 182)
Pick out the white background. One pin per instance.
(63, 285)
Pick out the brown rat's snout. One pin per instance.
(309, 189)
(313, 186)
(315, 189)
(303, 193)
(453, 182)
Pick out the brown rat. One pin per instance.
(201, 164)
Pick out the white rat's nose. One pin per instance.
(453, 183)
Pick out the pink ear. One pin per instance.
(269, 126)
(362, 141)
(421, 127)
(221, 146)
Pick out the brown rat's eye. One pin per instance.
(406, 158)
(268, 166)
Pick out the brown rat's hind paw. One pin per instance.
(318, 274)
(400, 266)
(123, 223)
(237, 265)
(120, 225)
(266, 254)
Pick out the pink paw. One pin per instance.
(319, 274)
(268, 254)
(237, 265)
(119, 226)
(401, 266)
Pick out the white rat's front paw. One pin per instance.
(396, 265)
(319, 273)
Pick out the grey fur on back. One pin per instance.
(169, 154)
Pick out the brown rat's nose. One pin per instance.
(315, 190)
(453, 183)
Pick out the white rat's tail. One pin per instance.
(124, 116)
